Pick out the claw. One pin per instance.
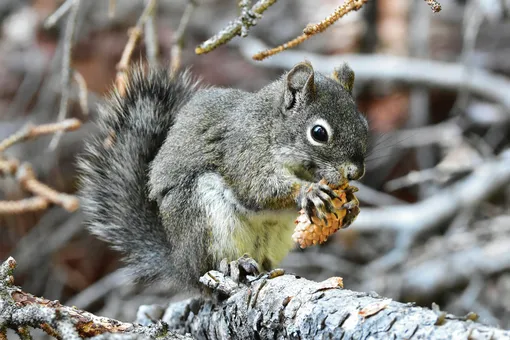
(322, 217)
(248, 266)
(326, 189)
(316, 200)
(349, 205)
(309, 211)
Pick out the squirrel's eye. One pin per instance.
(319, 134)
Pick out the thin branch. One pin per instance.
(312, 29)
(369, 195)
(24, 205)
(83, 93)
(28, 180)
(436, 6)
(397, 69)
(487, 179)
(25, 175)
(31, 131)
(58, 14)
(348, 6)
(8, 166)
(237, 27)
(65, 80)
(151, 39)
(175, 63)
(112, 4)
(99, 289)
(134, 36)
(21, 310)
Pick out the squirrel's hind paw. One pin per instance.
(241, 269)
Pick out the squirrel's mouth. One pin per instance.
(311, 172)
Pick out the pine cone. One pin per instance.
(313, 232)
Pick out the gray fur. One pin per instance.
(232, 168)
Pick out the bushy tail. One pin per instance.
(114, 168)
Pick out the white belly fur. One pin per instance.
(236, 230)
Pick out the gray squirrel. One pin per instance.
(181, 177)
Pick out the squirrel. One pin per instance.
(181, 177)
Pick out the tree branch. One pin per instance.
(282, 307)
(288, 307)
(398, 69)
(20, 310)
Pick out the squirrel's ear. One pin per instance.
(345, 76)
(300, 85)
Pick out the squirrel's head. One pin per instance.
(323, 134)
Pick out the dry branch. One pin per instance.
(282, 307)
(178, 40)
(434, 5)
(236, 27)
(312, 29)
(398, 69)
(151, 38)
(83, 94)
(487, 179)
(446, 271)
(288, 307)
(32, 131)
(27, 178)
(24, 205)
(134, 35)
(19, 309)
(65, 78)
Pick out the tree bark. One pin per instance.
(283, 307)
(289, 307)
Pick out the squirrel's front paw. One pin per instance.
(318, 197)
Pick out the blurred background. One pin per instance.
(434, 223)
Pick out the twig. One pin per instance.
(312, 29)
(65, 80)
(99, 289)
(31, 131)
(417, 177)
(134, 36)
(112, 4)
(151, 38)
(8, 166)
(236, 27)
(419, 103)
(472, 20)
(436, 6)
(50, 234)
(374, 197)
(28, 180)
(487, 179)
(21, 310)
(348, 6)
(58, 14)
(24, 205)
(445, 272)
(25, 175)
(398, 69)
(82, 92)
(444, 134)
(175, 63)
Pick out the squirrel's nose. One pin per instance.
(352, 171)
